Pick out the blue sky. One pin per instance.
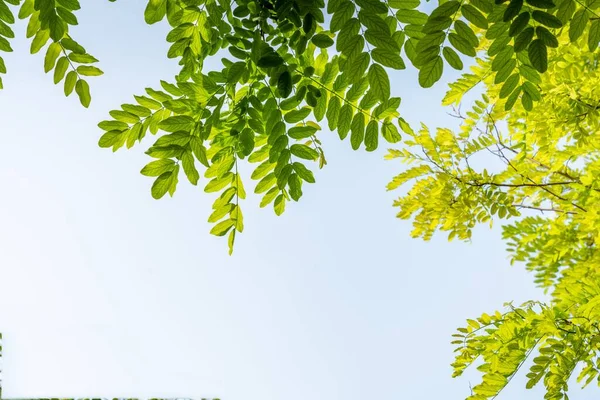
(107, 292)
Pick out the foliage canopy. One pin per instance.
(291, 67)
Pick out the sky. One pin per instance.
(106, 292)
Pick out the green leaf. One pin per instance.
(158, 167)
(88, 70)
(546, 19)
(523, 39)
(83, 91)
(452, 58)
(155, 11)
(82, 58)
(566, 9)
(72, 45)
(593, 36)
(372, 135)
(303, 172)
(220, 212)
(447, 9)
(497, 29)
(322, 40)
(404, 4)
(222, 227)
(405, 126)
(373, 6)
(57, 27)
(513, 9)
(411, 17)
(437, 24)
(266, 183)
(342, 14)
(431, 72)
(333, 112)
(297, 115)
(390, 132)
(388, 58)
(508, 86)
(295, 185)
(502, 58)
(270, 60)
(216, 184)
(284, 174)
(474, 16)
(538, 55)
(26, 9)
(66, 16)
(461, 45)
(109, 139)
(236, 70)
(353, 46)
(52, 54)
(177, 123)
(124, 116)
(304, 152)
(344, 121)
(189, 167)
(284, 84)
(541, 3)
(505, 71)
(512, 99)
(578, 23)
(357, 130)
(70, 82)
(61, 69)
(379, 82)
(527, 101)
(426, 55)
(547, 37)
(163, 183)
(302, 132)
(279, 205)
(519, 24)
(465, 32)
(382, 40)
(113, 125)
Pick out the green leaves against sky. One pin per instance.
(291, 69)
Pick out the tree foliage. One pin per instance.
(546, 180)
(526, 152)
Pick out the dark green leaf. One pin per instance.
(270, 60)
(510, 85)
(541, 3)
(513, 9)
(284, 84)
(538, 55)
(546, 19)
(547, 37)
(519, 24)
(523, 39)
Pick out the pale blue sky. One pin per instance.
(107, 292)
